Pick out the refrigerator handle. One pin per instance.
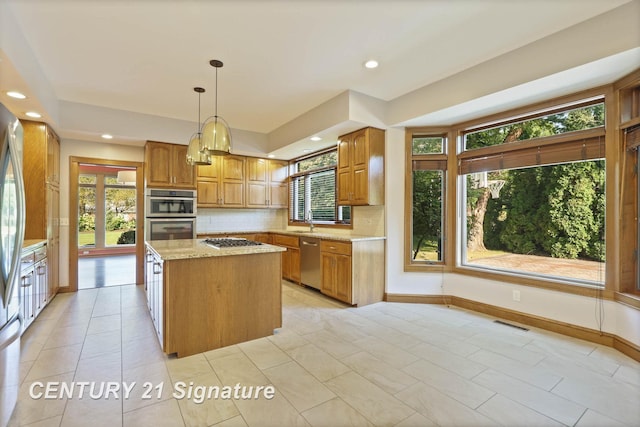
(20, 205)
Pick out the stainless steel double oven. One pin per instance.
(170, 214)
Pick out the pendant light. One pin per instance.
(216, 135)
(194, 155)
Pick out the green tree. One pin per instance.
(427, 209)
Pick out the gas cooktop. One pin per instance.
(230, 242)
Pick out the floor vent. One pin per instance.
(509, 324)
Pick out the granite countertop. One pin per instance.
(195, 248)
(303, 233)
(30, 244)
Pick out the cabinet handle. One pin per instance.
(41, 270)
(156, 271)
(26, 281)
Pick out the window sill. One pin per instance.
(628, 299)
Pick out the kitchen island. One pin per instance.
(202, 298)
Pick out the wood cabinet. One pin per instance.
(166, 166)
(353, 272)
(222, 183)
(154, 286)
(335, 268)
(34, 284)
(290, 258)
(266, 183)
(41, 171)
(360, 171)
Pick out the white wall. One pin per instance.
(618, 319)
(96, 150)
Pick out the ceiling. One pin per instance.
(282, 59)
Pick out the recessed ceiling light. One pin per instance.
(316, 138)
(33, 114)
(16, 95)
(107, 136)
(306, 150)
(271, 156)
(372, 63)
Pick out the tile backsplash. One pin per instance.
(368, 220)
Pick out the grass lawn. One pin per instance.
(86, 238)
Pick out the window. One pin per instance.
(537, 207)
(424, 230)
(312, 188)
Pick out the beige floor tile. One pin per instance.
(463, 366)
(441, 409)
(236, 421)
(622, 402)
(61, 337)
(237, 368)
(318, 363)
(287, 340)
(202, 410)
(96, 413)
(332, 344)
(384, 351)
(55, 361)
(263, 353)
(276, 412)
(546, 403)
(141, 352)
(379, 373)
(185, 368)
(534, 375)
(161, 414)
(298, 386)
(222, 352)
(575, 358)
(449, 383)
(510, 413)
(501, 345)
(32, 405)
(416, 420)
(102, 343)
(594, 419)
(148, 378)
(104, 367)
(49, 422)
(378, 406)
(333, 413)
(102, 324)
(628, 374)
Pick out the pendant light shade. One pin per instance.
(194, 155)
(216, 134)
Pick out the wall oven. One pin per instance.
(170, 214)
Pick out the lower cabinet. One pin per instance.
(352, 272)
(34, 285)
(155, 293)
(290, 258)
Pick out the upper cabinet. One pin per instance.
(222, 183)
(361, 168)
(166, 166)
(266, 183)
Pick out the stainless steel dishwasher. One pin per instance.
(310, 261)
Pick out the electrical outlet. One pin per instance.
(64, 222)
(516, 296)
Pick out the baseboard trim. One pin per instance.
(626, 347)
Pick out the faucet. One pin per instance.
(310, 218)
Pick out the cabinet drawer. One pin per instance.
(28, 259)
(335, 247)
(40, 253)
(282, 240)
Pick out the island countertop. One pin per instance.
(196, 248)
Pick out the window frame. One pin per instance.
(435, 161)
(293, 175)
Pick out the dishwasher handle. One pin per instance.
(304, 242)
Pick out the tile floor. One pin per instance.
(388, 364)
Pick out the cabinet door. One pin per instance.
(256, 195)
(359, 151)
(257, 170)
(278, 195)
(328, 276)
(53, 158)
(208, 194)
(360, 186)
(183, 173)
(286, 265)
(158, 160)
(344, 186)
(343, 278)
(41, 287)
(211, 171)
(233, 168)
(233, 194)
(344, 152)
(159, 303)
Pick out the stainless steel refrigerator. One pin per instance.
(12, 214)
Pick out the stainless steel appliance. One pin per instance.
(170, 203)
(170, 214)
(310, 261)
(12, 214)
